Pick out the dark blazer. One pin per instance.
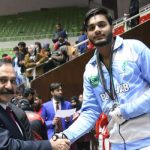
(11, 137)
(23, 120)
(48, 114)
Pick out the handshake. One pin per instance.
(60, 142)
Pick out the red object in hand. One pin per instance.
(101, 122)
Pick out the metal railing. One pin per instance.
(124, 20)
(32, 37)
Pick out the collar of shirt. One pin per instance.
(54, 104)
(3, 105)
(118, 43)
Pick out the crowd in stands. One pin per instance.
(28, 57)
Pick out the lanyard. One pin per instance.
(111, 93)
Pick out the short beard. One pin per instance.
(103, 43)
(58, 98)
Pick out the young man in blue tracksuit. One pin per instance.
(116, 82)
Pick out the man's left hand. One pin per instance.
(117, 116)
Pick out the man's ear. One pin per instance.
(52, 93)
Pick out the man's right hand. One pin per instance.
(60, 144)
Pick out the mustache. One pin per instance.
(7, 91)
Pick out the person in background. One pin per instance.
(82, 37)
(29, 94)
(58, 56)
(6, 56)
(134, 10)
(82, 143)
(62, 42)
(30, 59)
(13, 131)
(15, 61)
(38, 126)
(45, 51)
(33, 59)
(59, 31)
(38, 104)
(17, 67)
(117, 83)
(75, 103)
(17, 97)
(80, 98)
(23, 50)
(55, 124)
(38, 47)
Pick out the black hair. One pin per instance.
(74, 98)
(59, 24)
(4, 55)
(39, 44)
(16, 48)
(23, 44)
(78, 105)
(5, 61)
(54, 86)
(94, 12)
(28, 91)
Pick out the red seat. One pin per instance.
(144, 18)
(119, 30)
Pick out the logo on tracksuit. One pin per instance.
(94, 81)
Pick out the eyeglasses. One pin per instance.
(100, 24)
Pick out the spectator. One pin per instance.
(55, 124)
(33, 59)
(17, 97)
(38, 126)
(61, 42)
(38, 47)
(75, 103)
(22, 52)
(134, 10)
(82, 37)
(80, 98)
(29, 94)
(38, 104)
(23, 48)
(6, 57)
(59, 31)
(58, 56)
(15, 61)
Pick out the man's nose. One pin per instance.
(97, 28)
(8, 84)
(60, 92)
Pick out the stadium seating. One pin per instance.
(40, 24)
